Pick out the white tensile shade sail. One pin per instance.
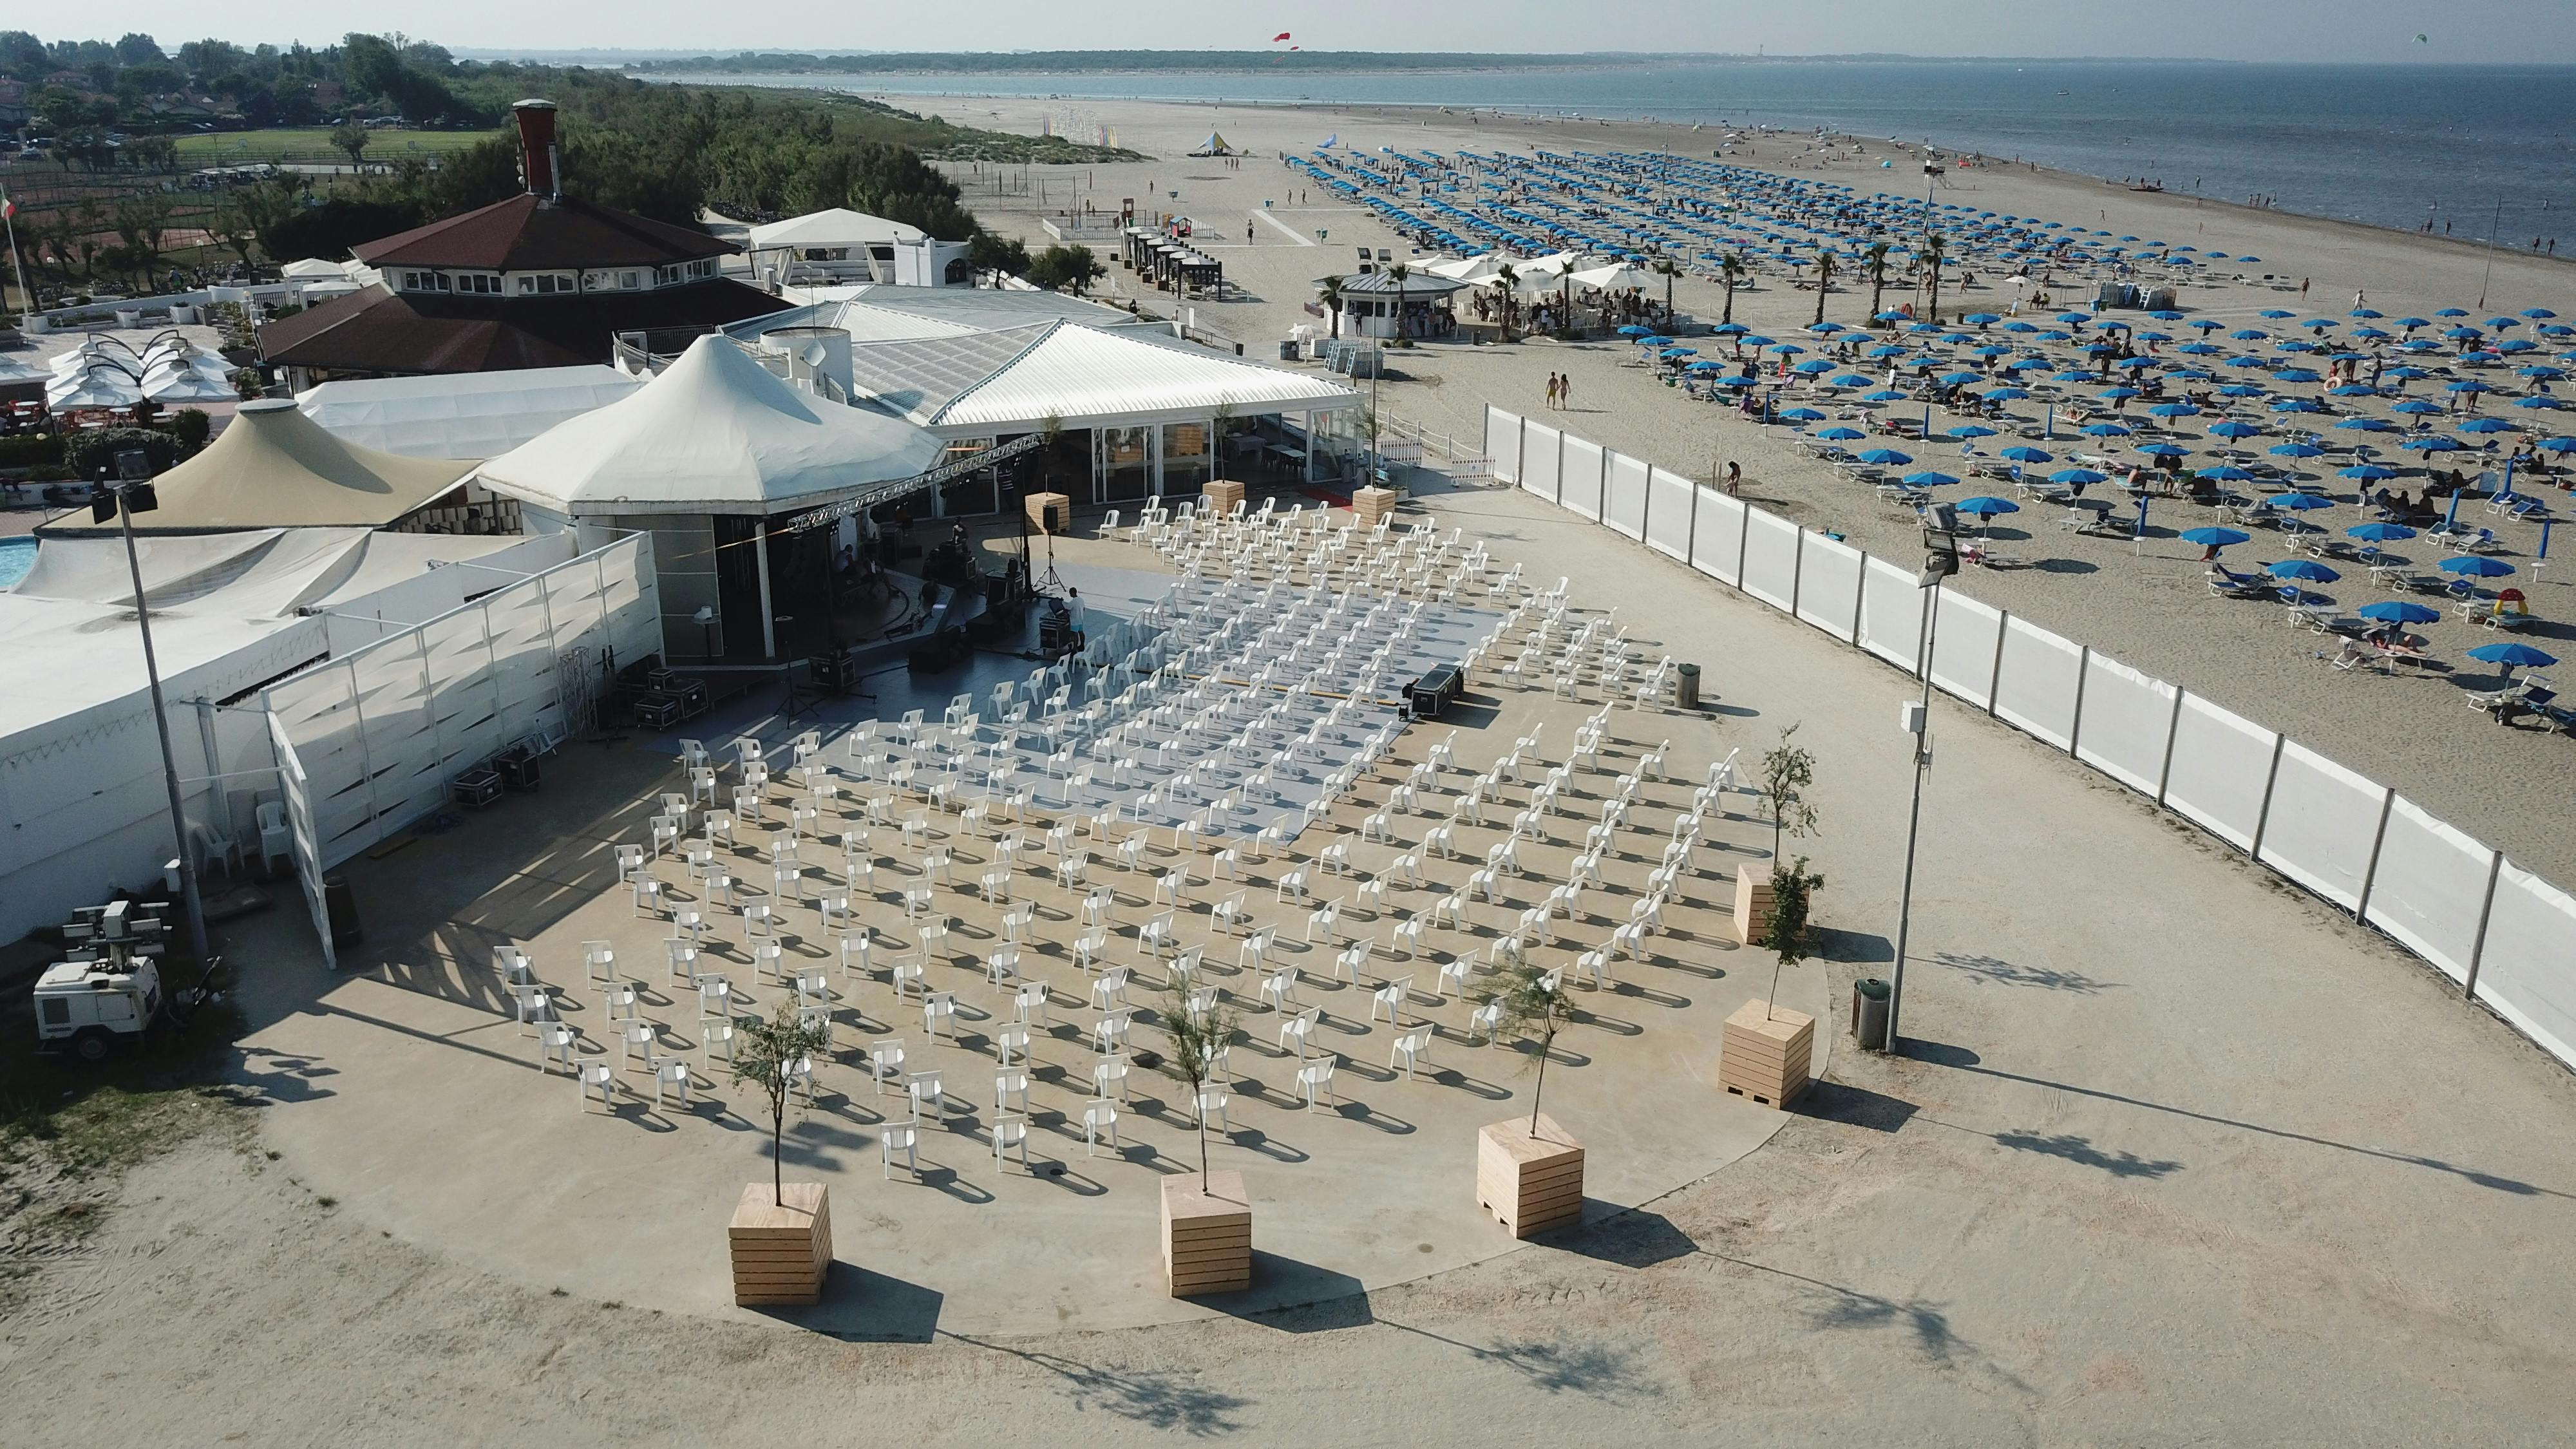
(714, 433)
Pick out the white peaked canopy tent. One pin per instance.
(714, 435)
(274, 469)
(833, 227)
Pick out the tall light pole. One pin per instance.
(1940, 561)
(131, 493)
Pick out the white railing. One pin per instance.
(2504, 934)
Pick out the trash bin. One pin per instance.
(341, 904)
(1686, 693)
(1869, 1013)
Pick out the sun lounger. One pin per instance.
(2226, 583)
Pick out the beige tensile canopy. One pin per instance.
(275, 468)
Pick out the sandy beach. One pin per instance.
(2147, 606)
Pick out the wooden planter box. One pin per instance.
(1207, 1234)
(1767, 1053)
(780, 1253)
(1372, 504)
(1220, 496)
(1529, 1181)
(1752, 902)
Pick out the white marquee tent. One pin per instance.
(460, 415)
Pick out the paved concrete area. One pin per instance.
(2176, 1156)
(438, 1125)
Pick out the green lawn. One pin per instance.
(210, 148)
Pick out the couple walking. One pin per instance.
(1560, 391)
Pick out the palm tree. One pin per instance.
(1826, 266)
(1665, 268)
(1399, 271)
(1507, 282)
(1331, 296)
(1877, 264)
(1934, 250)
(1730, 269)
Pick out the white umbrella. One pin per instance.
(1616, 278)
(186, 385)
(100, 387)
(14, 371)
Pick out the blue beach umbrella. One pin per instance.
(2294, 450)
(2379, 532)
(1886, 458)
(2367, 473)
(2302, 502)
(1841, 435)
(2023, 453)
(2306, 571)
(2086, 476)
(1984, 507)
(1928, 479)
(2476, 566)
(2213, 537)
(2399, 611)
(2512, 653)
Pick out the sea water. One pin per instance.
(2392, 146)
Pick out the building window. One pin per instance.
(629, 280)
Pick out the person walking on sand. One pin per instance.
(2360, 299)
(2303, 289)
(1565, 392)
(1734, 479)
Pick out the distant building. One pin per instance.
(539, 280)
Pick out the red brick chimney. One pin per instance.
(538, 161)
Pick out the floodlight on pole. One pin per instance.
(1940, 561)
(127, 493)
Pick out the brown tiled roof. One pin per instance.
(526, 234)
(377, 331)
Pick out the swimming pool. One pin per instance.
(17, 555)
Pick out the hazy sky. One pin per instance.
(2353, 30)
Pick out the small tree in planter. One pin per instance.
(763, 1053)
(1787, 771)
(1533, 1011)
(1195, 1044)
(781, 1248)
(1793, 889)
(1530, 1174)
(1207, 1227)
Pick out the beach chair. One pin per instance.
(2226, 583)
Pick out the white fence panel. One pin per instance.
(305, 846)
(1540, 454)
(2128, 718)
(1582, 488)
(1668, 513)
(2431, 887)
(1503, 444)
(2527, 970)
(1717, 536)
(1829, 585)
(1770, 558)
(1624, 509)
(1965, 635)
(2321, 825)
(1891, 615)
(2036, 687)
(2221, 762)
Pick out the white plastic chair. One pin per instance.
(1317, 1077)
(1010, 1132)
(904, 1138)
(885, 1059)
(1011, 1084)
(1410, 1047)
(589, 1077)
(671, 1072)
(1098, 1118)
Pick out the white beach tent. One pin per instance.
(714, 433)
(1617, 277)
(460, 415)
